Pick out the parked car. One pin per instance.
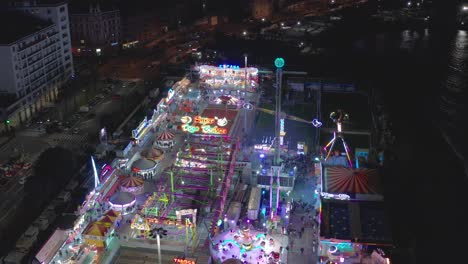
(22, 180)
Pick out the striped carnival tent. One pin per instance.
(165, 139)
(132, 184)
(341, 180)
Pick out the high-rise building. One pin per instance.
(35, 58)
(95, 27)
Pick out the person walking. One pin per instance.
(302, 250)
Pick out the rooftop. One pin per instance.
(24, 25)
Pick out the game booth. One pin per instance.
(228, 77)
(98, 233)
(123, 202)
(144, 168)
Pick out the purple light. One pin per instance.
(248, 221)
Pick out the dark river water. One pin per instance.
(422, 78)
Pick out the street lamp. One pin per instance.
(157, 233)
(244, 33)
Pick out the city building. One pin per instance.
(35, 58)
(95, 27)
(139, 27)
(262, 9)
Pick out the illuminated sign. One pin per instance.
(186, 119)
(248, 106)
(190, 129)
(203, 120)
(225, 66)
(213, 130)
(170, 94)
(340, 196)
(204, 124)
(221, 121)
(184, 261)
(282, 133)
(206, 129)
(137, 132)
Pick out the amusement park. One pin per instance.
(190, 188)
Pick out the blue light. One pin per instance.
(263, 211)
(263, 192)
(262, 155)
(316, 159)
(220, 222)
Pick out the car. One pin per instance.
(22, 180)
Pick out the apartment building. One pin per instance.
(35, 58)
(95, 27)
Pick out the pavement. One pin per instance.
(304, 190)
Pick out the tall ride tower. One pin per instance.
(279, 64)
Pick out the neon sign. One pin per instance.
(136, 132)
(221, 121)
(213, 130)
(204, 124)
(186, 119)
(282, 133)
(204, 120)
(225, 66)
(170, 94)
(190, 129)
(184, 261)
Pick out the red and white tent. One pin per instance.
(165, 139)
(351, 181)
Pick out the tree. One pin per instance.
(53, 169)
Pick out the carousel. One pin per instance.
(249, 246)
(153, 153)
(165, 139)
(123, 202)
(132, 184)
(144, 168)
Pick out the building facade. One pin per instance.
(97, 29)
(36, 62)
(262, 9)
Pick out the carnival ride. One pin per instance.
(338, 117)
(249, 246)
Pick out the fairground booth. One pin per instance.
(228, 77)
(97, 234)
(123, 202)
(144, 168)
(353, 222)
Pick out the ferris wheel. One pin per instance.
(338, 117)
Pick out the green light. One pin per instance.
(7, 122)
(279, 62)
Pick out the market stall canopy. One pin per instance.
(131, 181)
(165, 136)
(96, 229)
(143, 164)
(122, 198)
